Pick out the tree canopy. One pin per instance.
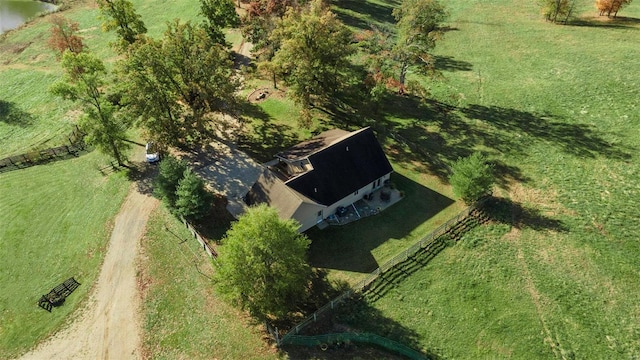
(170, 172)
(193, 201)
(172, 83)
(314, 52)
(262, 263)
(418, 28)
(557, 10)
(218, 15)
(64, 35)
(84, 82)
(120, 15)
(611, 6)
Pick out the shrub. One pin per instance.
(170, 173)
(472, 177)
(193, 201)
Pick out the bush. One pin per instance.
(193, 201)
(170, 173)
(472, 178)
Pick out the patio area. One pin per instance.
(376, 202)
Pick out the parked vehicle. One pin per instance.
(152, 152)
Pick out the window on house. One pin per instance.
(379, 182)
(356, 193)
(320, 213)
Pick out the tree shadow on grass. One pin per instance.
(266, 138)
(576, 139)
(520, 216)
(11, 114)
(429, 135)
(619, 22)
(369, 10)
(349, 247)
(449, 63)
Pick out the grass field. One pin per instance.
(562, 125)
(184, 318)
(54, 224)
(554, 107)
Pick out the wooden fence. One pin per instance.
(205, 246)
(424, 243)
(37, 157)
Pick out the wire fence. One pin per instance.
(205, 246)
(37, 157)
(425, 242)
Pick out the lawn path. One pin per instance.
(109, 325)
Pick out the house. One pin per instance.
(311, 180)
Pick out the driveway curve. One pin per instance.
(109, 325)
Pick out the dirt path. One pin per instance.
(109, 326)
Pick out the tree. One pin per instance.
(170, 172)
(84, 81)
(218, 15)
(63, 35)
(557, 10)
(419, 26)
(193, 201)
(611, 6)
(120, 15)
(472, 177)
(262, 265)
(174, 82)
(314, 53)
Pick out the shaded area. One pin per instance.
(12, 114)
(620, 22)
(349, 247)
(449, 63)
(360, 14)
(267, 138)
(520, 216)
(358, 314)
(576, 139)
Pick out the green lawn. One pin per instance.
(183, 317)
(562, 125)
(55, 221)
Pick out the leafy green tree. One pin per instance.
(314, 54)
(472, 177)
(84, 82)
(262, 264)
(218, 15)
(171, 84)
(557, 10)
(193, 201)
(170, 172)
(419, 26)
(120, 15)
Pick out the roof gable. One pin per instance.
(342, 168)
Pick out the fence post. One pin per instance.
(277, 337)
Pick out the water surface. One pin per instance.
(15, 12)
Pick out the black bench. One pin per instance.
(58, 294)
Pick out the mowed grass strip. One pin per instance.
(55, 222)
(183, 316)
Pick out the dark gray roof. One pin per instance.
(308, 147)
(342, 168)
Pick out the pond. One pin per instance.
(13, 13)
